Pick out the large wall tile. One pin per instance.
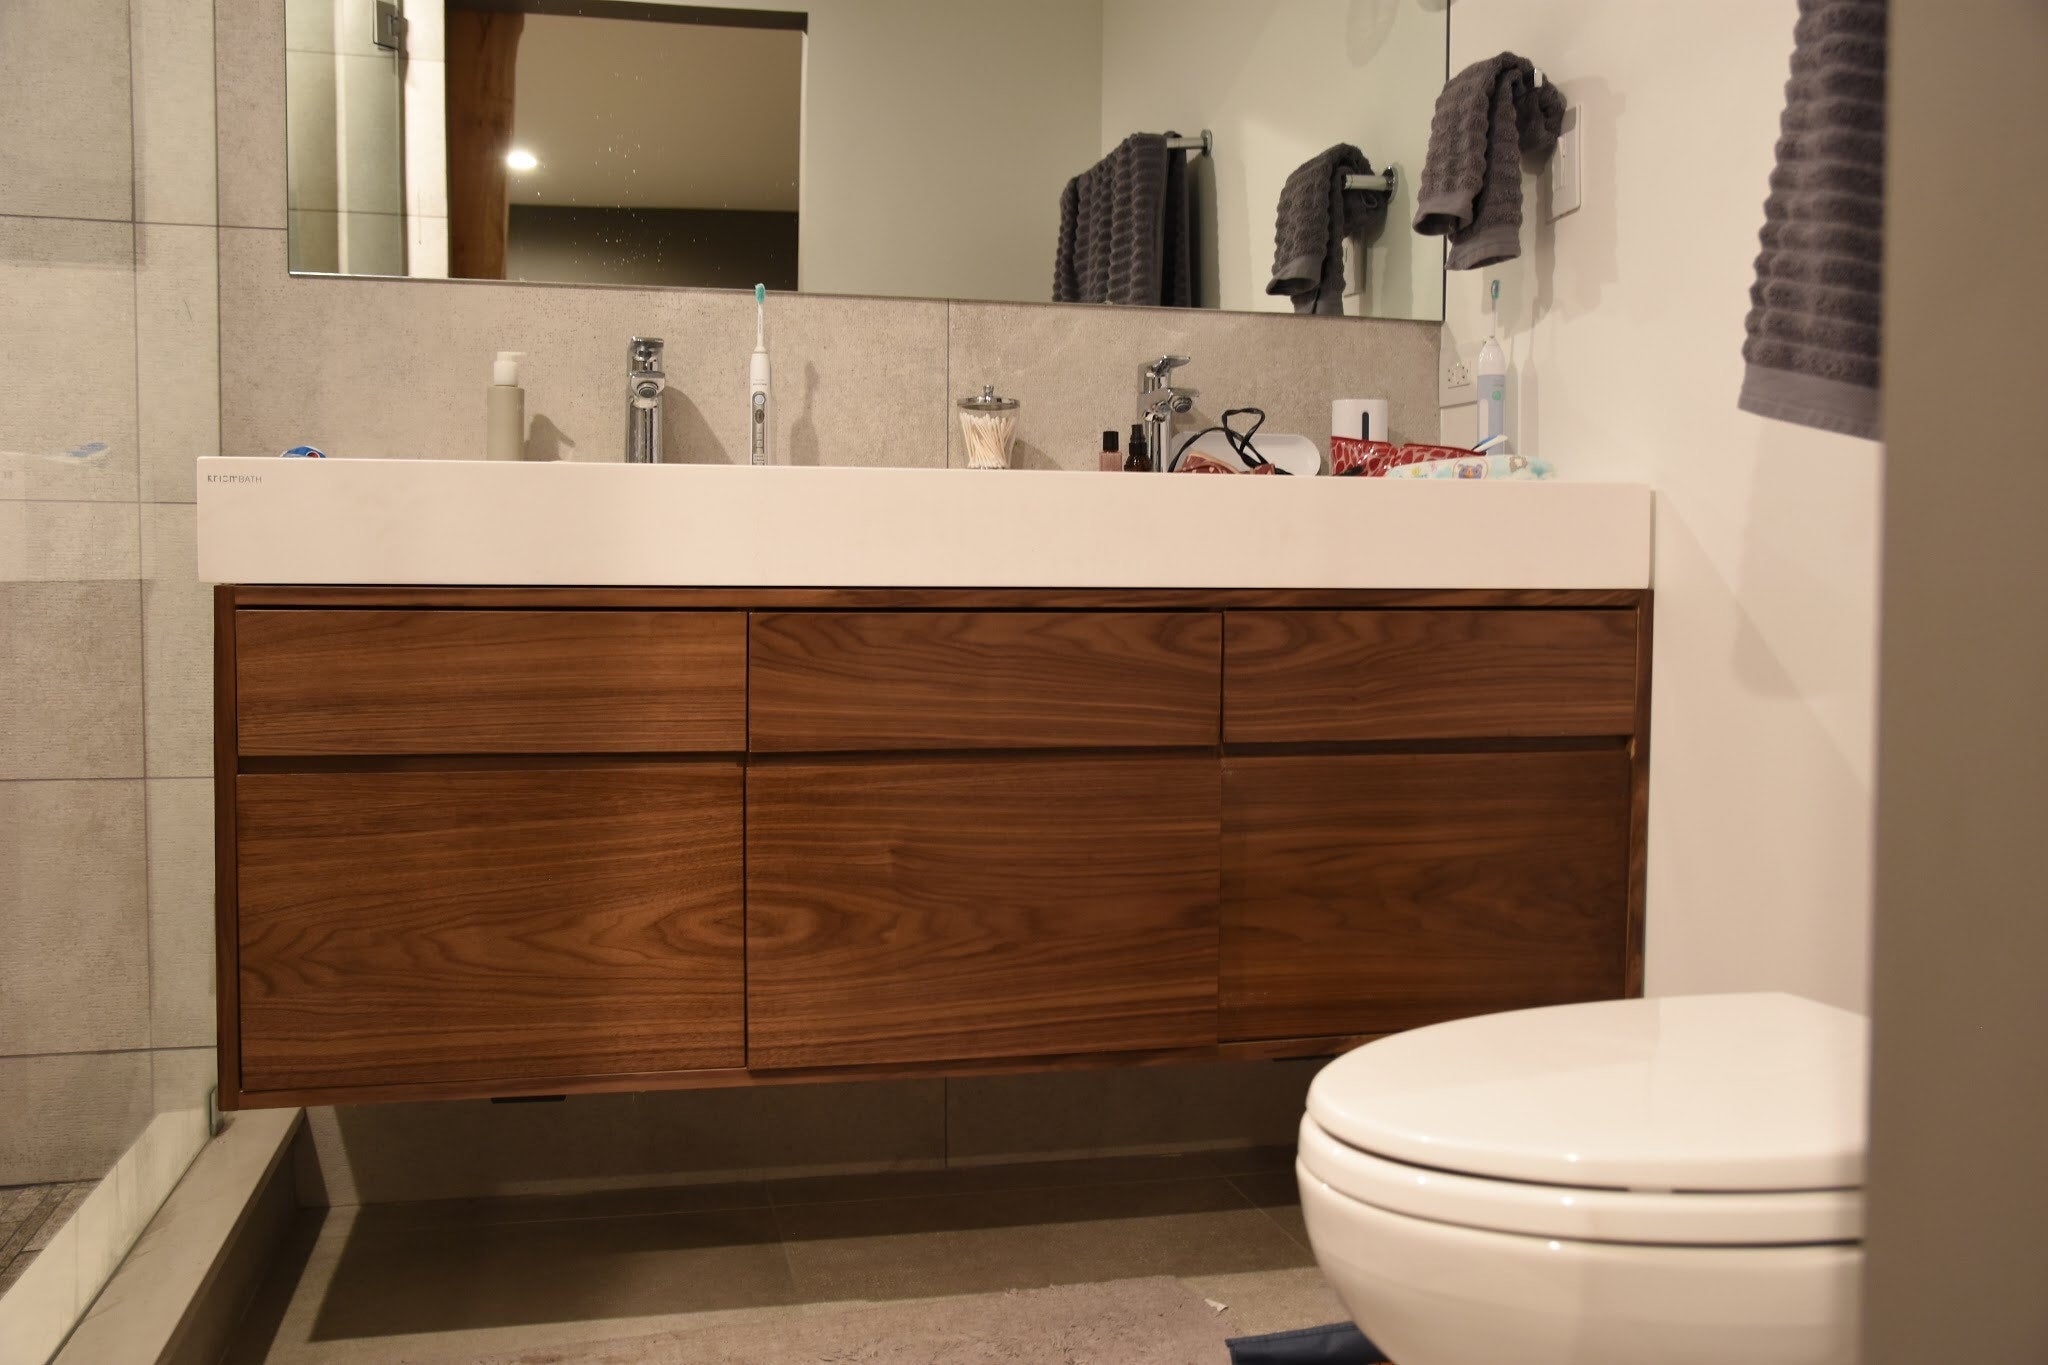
(249, 108)
(174, 135)
(74, 917)
(70, 680)
(177, 320)
(177, 641)
(181, 1077)
(180, 868)
(1076, 370)
(857, 381)
(1077, 1113)
(67, 406)
(55, 542)
(64, 135)
(391, 1152)
(70, 1115)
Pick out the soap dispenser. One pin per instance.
(505, 410)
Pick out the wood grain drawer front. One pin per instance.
(921, 911)
(984, 680)
(1337, 676)
(1370, 892)
(461, 682)
(480, 926)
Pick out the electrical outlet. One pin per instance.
(1459, 376)
(1455, 386)
(1564, 167)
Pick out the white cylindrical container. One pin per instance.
(505, 410)
(1359, 419)
(988, 424)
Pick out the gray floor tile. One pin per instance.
(1016, 1239)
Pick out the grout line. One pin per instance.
(103, 1052)
(1271, 1217)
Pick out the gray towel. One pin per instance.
(1488, 115)
(1316, 214)
(1815, 307)
(1125, 234)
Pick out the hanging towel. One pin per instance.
(1815, 307)
(1125, 229)
(1316, 214)
(1488, 115)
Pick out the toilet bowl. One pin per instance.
(1634, 1182)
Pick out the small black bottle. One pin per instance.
(1139, 461)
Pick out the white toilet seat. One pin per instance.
(1662, 1218)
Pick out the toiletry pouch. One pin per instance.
(1349, 455)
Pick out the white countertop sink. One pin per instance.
(437, 522)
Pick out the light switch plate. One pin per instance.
(1564, 167)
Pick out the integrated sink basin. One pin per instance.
(471, 522)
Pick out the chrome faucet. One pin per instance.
(1158, 403)
(644, 384)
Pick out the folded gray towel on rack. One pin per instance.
(1316, 214)
(1488, 115)
(1816, 305)
(1125, 229)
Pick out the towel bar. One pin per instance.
(1383, 182)
(1205, 144)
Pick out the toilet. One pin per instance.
(1634, 1182)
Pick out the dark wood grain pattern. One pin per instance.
(401, 927)
(914, 910)
(1639, 801)
(446, 682)
(1332, 677)
(1364, 893)
(924, 599)
(226, 995)
(824, 681)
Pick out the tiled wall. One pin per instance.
(109, 354)
(109, 254)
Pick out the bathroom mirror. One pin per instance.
(914, 148)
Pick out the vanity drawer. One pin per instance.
(461, 682)
(1340, 676)
(824, 681)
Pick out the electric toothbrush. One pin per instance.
(758, 414)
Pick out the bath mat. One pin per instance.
(1338, 1344)
(1154, 1321)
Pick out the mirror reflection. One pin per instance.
(1251, 155)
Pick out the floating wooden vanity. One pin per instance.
(507, 841)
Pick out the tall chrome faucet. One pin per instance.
(644, 384)
(1158, 402)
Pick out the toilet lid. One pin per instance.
(1761, 1092)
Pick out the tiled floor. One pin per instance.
(29, 1216)
(451, 1281)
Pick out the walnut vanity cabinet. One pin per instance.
(489, 842)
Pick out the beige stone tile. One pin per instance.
(394, 1152)
(64, 147)
(74, 917)
(650, 1202)
(69, 542)
(249, 110)
(181, 1077)
(396, 1276)
(177, 342)
(172, 43)
(295, 366)
(1019, 1239)
(67, 410)
(1263, 1301)
(70, 680)
(181, 1004)
(1266, 1159)
(857, 381)
(1022, 1175)
(177, 665)
(38, 1310)
(1279, 1195)
(68, 1116)
(1075, 370)
(1074, 1113)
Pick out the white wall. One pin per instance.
(1626, 323)
(1277, 83)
